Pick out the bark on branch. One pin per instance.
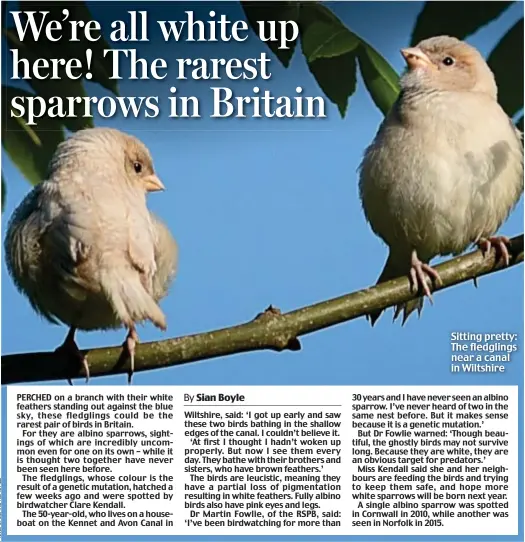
(270, 330)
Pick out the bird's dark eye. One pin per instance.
(137, 166)
(448, 61)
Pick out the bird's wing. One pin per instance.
(68, 237)
(22, 249)
(127, 274)
(494, 165)
(139, 242)
(24, 256)
(166, 258)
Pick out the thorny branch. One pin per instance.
(270, 330)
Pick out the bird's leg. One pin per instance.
(500, 243)
(73, 354)
(128, 350)
(418, 275)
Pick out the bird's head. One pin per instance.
(447, 64)
(120, 156)
(138, 165)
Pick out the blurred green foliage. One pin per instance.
(31, 147)
(333, 52)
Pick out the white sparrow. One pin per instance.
(83, 247)
(446, 166)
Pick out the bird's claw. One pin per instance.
(73, 354)
(419, 272)
(500, 243)
(128, 351)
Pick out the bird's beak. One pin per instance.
(416, 58)
(153, 184)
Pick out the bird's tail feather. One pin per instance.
(130, 300)
(408, 308)
(391, 271)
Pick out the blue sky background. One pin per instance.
(266, 211)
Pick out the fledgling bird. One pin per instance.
(84, 248)
(445, 168)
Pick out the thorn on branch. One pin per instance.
(268, 314)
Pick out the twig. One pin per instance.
(270, 330)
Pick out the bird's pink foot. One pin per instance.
(500, 243)
(128, 351)
(72, 353)
(419, 272)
